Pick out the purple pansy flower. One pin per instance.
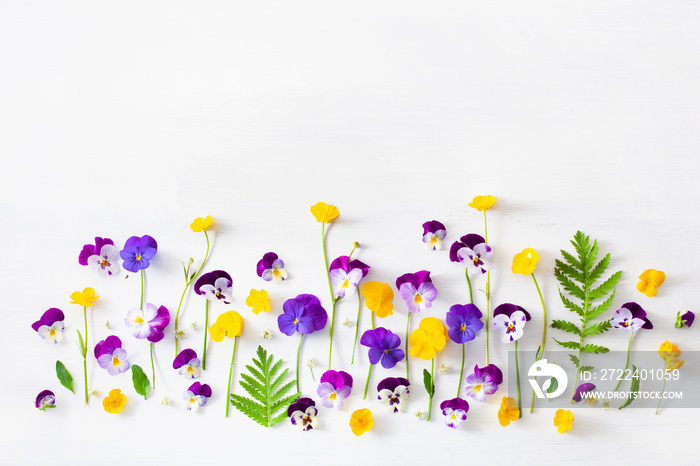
(473, 251)
(270, 267)
(303, 414)
(433, 234)
(584, 388)
(464, 321)
(197, 396)
(102, 257)
(509, 320)
(334, 387)
(45, 399)
(455, 412)
(684, 318)
(302, 314)
(216, 285)
(149, 322)
(50, 326)
(138, 252)
(630, 318)
(392, 392)
(383, 347)
(111, 356)
(483, 381)
(417, 290)
(188, 363)
(345, 275)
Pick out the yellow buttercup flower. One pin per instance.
(86, 298)
(201, 224)
(525, 262)
(482, 203)
(428, 339)
(563, 420)
(649, 280)
(671, 355)
(324, 212)
(258, 300)
(115, 402)
(361, 421)
(229, 324)
(508, 411)
(379, 298)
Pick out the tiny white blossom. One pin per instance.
(418, 415)
(443, 369)
(311, 362)
(165, 401)
(267, 334)
(347, 323)
(193, 325)
(108, 325)
(180, 334)
(93, 391)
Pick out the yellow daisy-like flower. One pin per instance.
(201, 224)
(428, 339)
(508, 411)
(324, 212)
(379, 298)
(229, 324)
(115, 402)
(482, 203)
(671, 355)
(86, 298)
(525, 262)
(258, 300)
(361, 421)
(563, 420)
(649, 280)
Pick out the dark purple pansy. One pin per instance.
(346, 274)
(188, 363)
(583, 388)
(102, 257)
(392, 392)
(215, 286)
(472, 250)
(93, 249)
(334, 387)
(111, 356)
(197, 395)
(417, 290)
(509, 320)
(684, 318)
(455, 412)
(303, 314)
(138, 252)
(383, 347)
(433, 234)
(45, 399)
(630, 318)
(463, 322)
(483, 381)
(303, 414)
(271, 267)
(50, 326)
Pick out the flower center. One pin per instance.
(454, 416)
(52, 332)
(433, 239)
(386, 351)
(190, 369)
(477, 388)
(463, 327)
(477, 261)
(104, 263)
(625, 324)
(276, 273)
(116, 361)
(511, 328)
(138, 257)
(346, 283)
(418, 299)
(296, 321)
(138, 320)
(333, 396)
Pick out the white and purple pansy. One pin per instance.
(582, 393)
(111, 356)
(483, 381)
(473, 251)
(455, 412)
(101, 257)
(50, 327)
(188, 364)
(345, 275)
(303, 414)
(271, 267)
(148, 322)
(197, 396)
(393, 393)
(630, 318)
(334, 387)
(45, 400)
(433, 234)
(509, 320)
(417, 290)
(215, 286)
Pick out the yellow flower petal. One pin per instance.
(229, 324)
(649, 280)
(361, 421)
(482, 203)
(563, 420)
(379, 298)
(428, 339)
(258, 300)
(525, 262)
(508, 411)
(115, 402)
(86, 298)
(324, 212)
(201, 224)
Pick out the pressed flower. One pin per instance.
(482, 203)
(464, 321)
(684, 318)
(138, 252)
(149, 322)
(115, 402)
(563, 420)
(417, 290)
(473, 251)
(85, 299)
(333, 388)
(361, 421)
(111, 356)
(201, 224)
(101, 257)
(455, 412)
(45, 400)
(433, 234)
(508, 411)
(346, 275)
(630, 318)
(197, 396)
(271, 267)
(509, 320)
(229, 324)
(428, 339)
(188, 364)
(383, 347)
(581, 389)
(216, 285)
(379, 298)
(392, 393)
(649, 280)
(525, 262)
(325, 213)
(258, 301)
(50, 326)
(483, 381)
(303, 414)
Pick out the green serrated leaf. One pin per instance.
(568, 344)
(586, 368)
(566, 326)
(428, 383)
(141, 383)
(606, 287)
(597, 329)
(574, 359)
(594, 349)
(634, 388)
(64, 376)
(570, 305)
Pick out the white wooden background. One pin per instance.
(132, 118)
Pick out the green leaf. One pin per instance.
(184, 270)
(574, 265)
(574, 359)
(634, 388)
(568, 344)
(606, 287)
(428, 382)
(572, 288)
(553, 385)
(597, 329)
(141, 382)
(64, 376)
(566, 326)
(192, 276)
(570, 305)
(586, 368)
(594, 349)
(81, 344)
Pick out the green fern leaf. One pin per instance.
(586, 368)
(594, 349)
(576, 266)
(597, 329)
(575, 360)
(568, 344)
(566, 326)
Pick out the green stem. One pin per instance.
(627, 363)
(544, 336)
(330, 346)
(357, 325)
(188, 282)
(461, 372)
(469, 286)
(206, 327)
(432, 383)
(312, 373)
(230, 371)
(142, 279)
(299, 351)
(153, 367)
(367, 383)
(488, 291)
(408, 323)
(486, 230)
(517, 380)
(330, 289)
(85, 355)
(663, 389)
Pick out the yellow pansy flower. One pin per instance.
(379, 298)
(649, 280)
(86, 298)
(201, 224)
(115, 402)
(258, 300)
(482, 203)
(229, 324)
(324, 212)
(428, 339)
(563, 420)
(508, 411)
(525, 262)
(361, 421)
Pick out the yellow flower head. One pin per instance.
(258, 300)
(525, 262)
(114, 403)
(229, 324)
(670, 354)
(508, 411)
(563, 420)
(428, 339)
(201, 224)
(379, 298)
(86, 298)
(649, 280)
(324, 212)
(361, 421)
(482, 203)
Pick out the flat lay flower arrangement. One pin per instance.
(273, 386)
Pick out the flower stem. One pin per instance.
(540, 354)
(312, 373)
(330, 345)
(206, 326)
(230, 371)
(142, 280)
(153, 368)
(299, 351)
(408, 323)
(517, 380)
(461, 372)
(84, 350)
(663, 389)
(330, 289)
(627, 363)
(357, 325)
(488, 291)
(432, 383)
(367, 383)
(469, 285)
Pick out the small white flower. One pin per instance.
(418, 415)
(180, 334)
(443, 369)
(193, 325)
(311, 362)
(267, 334)
(347, 323)
(108, 325)
(93, 391)
(165, 401)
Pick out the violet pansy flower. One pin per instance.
(433, 234)
(509, 320)
(334, 387)
(455, 412)
(417, 290)
(630, 318)
(44, 400)
(684, 318)
(101, 257)
(581, 389)
(473, 251)
(271, 267)
(216, 285)
(392, 393)
(111, 356)
(149, 322)
(483, 381)
(346, 274)
(303, 414)
(303, 314)
(138, 252)
(463, 322)
(50, 326)
(383, 347)
(197, 396)
(188, 363)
